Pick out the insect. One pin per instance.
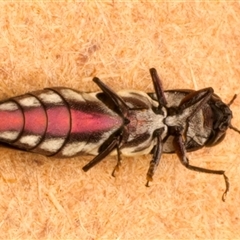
(63, 122)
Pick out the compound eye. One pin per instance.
(223, 127)
(219, 139)
(215, 139)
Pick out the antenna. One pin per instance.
(234, 128)
(232, 100)
(230, 125)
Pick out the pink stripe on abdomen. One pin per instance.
(58, 121)
(11, 121)
(55, 121)
(35, 121)
(93, 122)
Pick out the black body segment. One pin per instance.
(63, 122)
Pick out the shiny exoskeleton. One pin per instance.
(63, 122)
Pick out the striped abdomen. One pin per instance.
(57, 121)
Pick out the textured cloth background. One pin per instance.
(192, 45)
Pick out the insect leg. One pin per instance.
(156, 156)
(113, 96)
(158, 87)
(119, 162)
(113, 144)
(195, 101)
(181, 152)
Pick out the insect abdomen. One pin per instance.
(57, 121)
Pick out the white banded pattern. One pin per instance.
(50, 97)
(72, 95)
(52, 145)
(29, 102)
(8, 106)
(30, 140)
(9, 135)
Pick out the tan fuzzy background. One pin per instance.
(193, 45)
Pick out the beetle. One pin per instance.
(63, 122)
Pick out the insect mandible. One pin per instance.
(63, 122)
